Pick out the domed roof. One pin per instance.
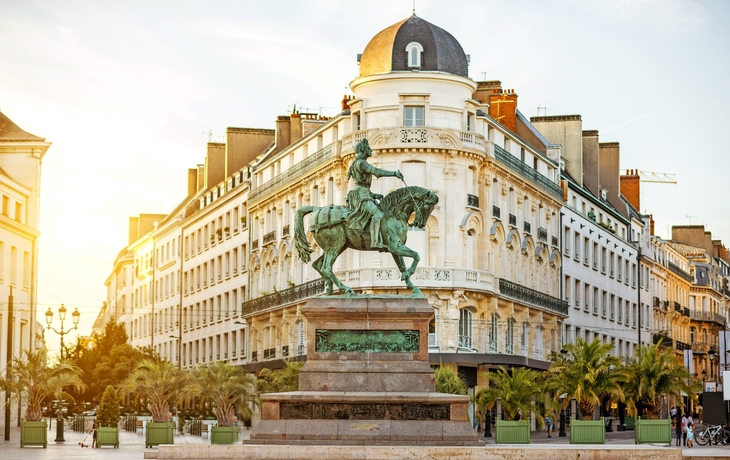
(386, 52)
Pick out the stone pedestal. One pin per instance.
(367, 380)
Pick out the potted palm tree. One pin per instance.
(588, 373)
(228, 389)
(517, 390)
(449, 381)
(160, 382)
(485, 399)
(107, 419)
(33, 381)
(655, 372)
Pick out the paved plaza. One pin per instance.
(132, 446)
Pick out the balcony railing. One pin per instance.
(465, 342)
(681, 345)
(300, 169)
(284, 297)
(285, 231)
(255, 245)
(301, 350)
(707, 316)
(254, 356)
(270, 353)
(285, 351)
(661, 338)
(533, 297)
(541, 234)
(513, 220)
(472, 200)
(496, 212)
(526, 171)
(554, 241)
(699, 347)
(526, 227)
(270, 238)
(677, 307)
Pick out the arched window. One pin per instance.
(414, 51)
(464, 328)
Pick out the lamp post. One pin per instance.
(711, 355)
(561, 432)
(62, 316)
(704, 377)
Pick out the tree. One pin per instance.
(280, 380)
(654, 372)
(517, 390)
(108, 414)
(448, 380)
(160, 382)
(228, 389)
(588, 373)
(35, 382)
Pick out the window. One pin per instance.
(356, 118)
(414, 116)
(493, 333)
(414, 51)
(469, 122)
(509, 338)
(464, 328)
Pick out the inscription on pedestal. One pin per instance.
(335, 411)
(367, 341)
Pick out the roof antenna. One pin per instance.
(414, 7)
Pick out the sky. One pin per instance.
(130, 92)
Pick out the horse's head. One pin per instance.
(424, 207)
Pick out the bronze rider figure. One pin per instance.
(360, 199)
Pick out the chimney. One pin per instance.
(243, 145)
(215, 164)
(201, 177)
(503, 108)
(346, 102)
(651, 224)
(296, 127)
(192, 181)
(566, 131)
(591, 170)
(283, 132)
(609, 154)
(630, 188)
(133, 230)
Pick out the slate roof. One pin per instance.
(386, 52)
(10, 132)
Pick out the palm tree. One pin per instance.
(587, 373)
(655, 372)
(280, 380)
(34, 382)
(449, 381)
(517, 390)
(158, 381)
(228, 388)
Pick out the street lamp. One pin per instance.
(62, 316)
(704, 377)
(711, 355)
(561, 432)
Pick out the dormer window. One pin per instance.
(414, 51)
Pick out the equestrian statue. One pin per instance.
(369, 222)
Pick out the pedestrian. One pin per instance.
(678, 430)
(549, 425)
(690, 433)
(93, 435)
(673, 412)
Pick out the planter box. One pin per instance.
(107, 436)
(159, 433)
(34, 434)
(653, 431)
(223, 434)
(629, 423)
(512, 432)
(587, 431)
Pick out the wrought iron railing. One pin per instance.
(526, 171)
(554, 241)
(526, 227)
(255, 245)
(301, 168)
(269, 353)
(661, 338)
(513, 220)
(301, 350)
(541, 234)
(285, 351)
(533, 297)
(254, 356)
(707, 316)
(677, 306)
(496, 212)
(465, 341)
(681, 345)
(284, 297)
(270, 238)
(472, 200)
(285, 231)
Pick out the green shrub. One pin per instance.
(108, 413)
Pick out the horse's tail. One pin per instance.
(300, 238)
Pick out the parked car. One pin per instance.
(89, 413)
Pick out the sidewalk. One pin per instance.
(131, 446)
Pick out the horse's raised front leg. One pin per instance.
(399, 250)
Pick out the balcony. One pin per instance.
(554, 241)
(677, 307)
(512, 220)
(699, 347)
(301, 350)
(656, 302)
(420, 136)
(287, 296)
(465, 342)
(661, 338)
(541, 234)
(291, 174)
(532, 297)
(496, 212)
(270, 238)
(526, 227)
(255, 245)
(681, 346)
(270, 353)
(472, 201)
(284, 231)
(527, 172)
(707, 316)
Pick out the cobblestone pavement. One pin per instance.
(131, 446)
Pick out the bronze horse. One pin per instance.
(331, 232)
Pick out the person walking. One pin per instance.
(549, 425)
(678, 430)
(93, 435)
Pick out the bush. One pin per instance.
(108, 413)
